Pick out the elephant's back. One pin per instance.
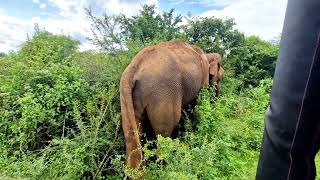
(167, 72)
(158, 75)
(191, 68)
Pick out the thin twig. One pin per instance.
(64, 123)
(105, 156)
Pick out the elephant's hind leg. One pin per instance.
(164, 116)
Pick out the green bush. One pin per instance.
(60, 109)
(40, 96)
(214, 34)
(53, 123)
(253, 61)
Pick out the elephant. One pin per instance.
(158, 82)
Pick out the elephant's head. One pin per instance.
(216, 71)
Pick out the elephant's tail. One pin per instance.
(129, 125)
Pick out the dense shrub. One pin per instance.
(60, 112)
(60, 118)
(53, 123)
(214, 34)
(40, 93)
(48, 48)
(253, 61)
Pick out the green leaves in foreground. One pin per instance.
(60, 111)
(53, 124)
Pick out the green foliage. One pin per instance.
(254, 60)
(47, 48)
(40, 93)
(53, 123)
(2, 54)
(60, 109)
(225, 144)
(214, 35)
(113, 33)
(104, 34)
(148, 26)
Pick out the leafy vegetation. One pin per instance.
(60, 114)
(254, 60)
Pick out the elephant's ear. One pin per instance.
(215, 63)
(214, 57)
(214, 69)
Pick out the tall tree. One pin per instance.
(254, 60)
(105, 32)
(149, 26)
(114, 32)
(214, 35)
(46, 47)
(2, 54)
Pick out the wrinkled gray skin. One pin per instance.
(157, 83)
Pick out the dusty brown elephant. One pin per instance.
(157, 83)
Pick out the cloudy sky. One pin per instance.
(17, 17)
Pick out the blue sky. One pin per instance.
(17, 17)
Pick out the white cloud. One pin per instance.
(68, 8)
(175, 2)
(72, 8)
(35, 19)
(75, 22)
(13, 31)
(204, 2)
(71, 20)
(118, 6)
(254, 17)
(43, 5)
(217, 2)
(36, 1)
